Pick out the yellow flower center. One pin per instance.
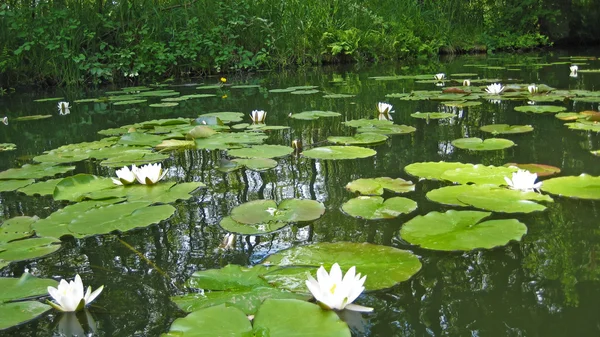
(332, 289)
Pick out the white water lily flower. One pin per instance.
(125, 176)
(63, 108)
(258, 116)
(385, 117)
(384, 108)
(440, 76)
(70, 297)
(533, 89)
(337, 293)
(149, 174)
(574, 68)
(523, 180)
(5, 120)
(466, 83)
(494, 89)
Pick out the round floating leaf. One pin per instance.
(164, 192)
(479, 174)
(506, 129)
(540, 108)
(257, 164)
(200, 131)
(50, 99)
(163, 105)
(207, 87)
(281, 90)
(460, 230)
(304, 92)
(540, 169)
(31, 118)
(7, 147)
(432, 170)
(280, 317)
(388, 129)
(262, 151)
(16, 228)
(140, 139)
(224, 141)
(245, 86)
(226, 116)
(138, 157)
(376, 186)
(584, 126)
(230, 277)
(15, 313)
(339, 152)
(359, 139)
(60, 157)
(130, 101)
(504, 200)
(28, 249)
(477, 144)
(449, 195)
(175, 144)
(35, 171)
(119, 217)
(316, 114)
(303, 87)
(230, 225)
(432, 115)
(80, 187)
(26, 286)
(289, 210)
(583, 186)
(214, 321)
(374, 207)
(11, 185)
(338, 96)
(384, 266)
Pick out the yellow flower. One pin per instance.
(223, 79)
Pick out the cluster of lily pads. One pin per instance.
(280, 287)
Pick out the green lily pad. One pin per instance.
(130, 101)
(61, 157)
(207, 87)
(134, 156)
(303, 87)
(384, 266)
(28, 249)
(163, 105)
(245, 86)
(304, 92)
(16, 228)
(50, 99)
(338, 152)
(28, 171)
(479, 174)
(338, 96)
(118, 217)
(433, 170)
(140, 139)
(449, 195)
(158, 93)
(376, 186)
(200, 131)
(175, 144)
(7, 147)
(226, 116)
(230, 225)
(540, 169)
(80, 187)
(219, 320)
(460, 230)
(506, 129)
(375, 207)
(224, 141)
(394, 129)
(316, 114)
(262, 151)
(163, 192)
(27, 286)
(280, 318)
(31, 118)
(432, 115)
(289, 210)
(358, 139)
(582, 187)
(11, 185)
(540, 108)
(55, 225)
(477, 144)
(281, 90)
(583, 126)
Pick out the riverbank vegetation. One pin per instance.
(68, 42)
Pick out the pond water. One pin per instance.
(547, 284)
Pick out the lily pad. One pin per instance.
(226, 116)
(140, 139)
(175, 144)
(359, 139)
(477, 144)
(540, 169)
(49, 99)
(163, 192)
(375, 207)
(338, 96)
(582, 187)
(11, 185)
(479, 174)
(21, 250)
(339, 152)
(433, 170)
(163, 105)
(376, 186)
(432, 115)
(7, 147)
(40, 188)
(506, 129)
(540, 108)
(224, 141)
(230, 225)
(31, 118)
(39, 171)
(316, 114)
(16, 228)
(289, 210)
(384, 266)
(80, 187)
(27, 286)
(61, 157)
(262, 151)
(359, 123)
(460, 230)
(130, 101)
(200, 131)
(219, 320)
(304, 92)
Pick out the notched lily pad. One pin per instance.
(477, 144)
(582, 187)
(506, 129)
(316, 114)
(375, 207)
(541, 170)
(376, 186)
(7, 147)
(540, 108)
(289, 210)
(39, 171)
(338, 152)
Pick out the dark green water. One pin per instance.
(545, 285)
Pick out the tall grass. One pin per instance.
(94, 41)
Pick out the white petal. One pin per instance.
(359, 308)
(336, 273)
(116, 181)
(53, 292)
(508, 181)
(89, 299)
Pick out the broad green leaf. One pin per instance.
(233, 226)
(7, 147)
(15, 313)
(504, 200)
(31, 118)
(224, 141)
(479, 174)
(226, 117)
(376, 186)
(16, 228)
(540, 108)
(582, 187)
(315, 114)
(175, 144)
(338, 152)
(230, 277)
(359, 123)
(11, 185)
(210, 322)
(257, 164)
(506, 129)
(24, 287)
(138, 157)
(200, 131)
(289, 210)
(164, 192)
(432, 115)
(34, 171)
(384, 266)
(540, 169)
(375, 207)
(140, 139)
(288, 317)
(28, 249)
(460, 230)
(433, 170)
(41, 188)
(477, 144)
(81, 186)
